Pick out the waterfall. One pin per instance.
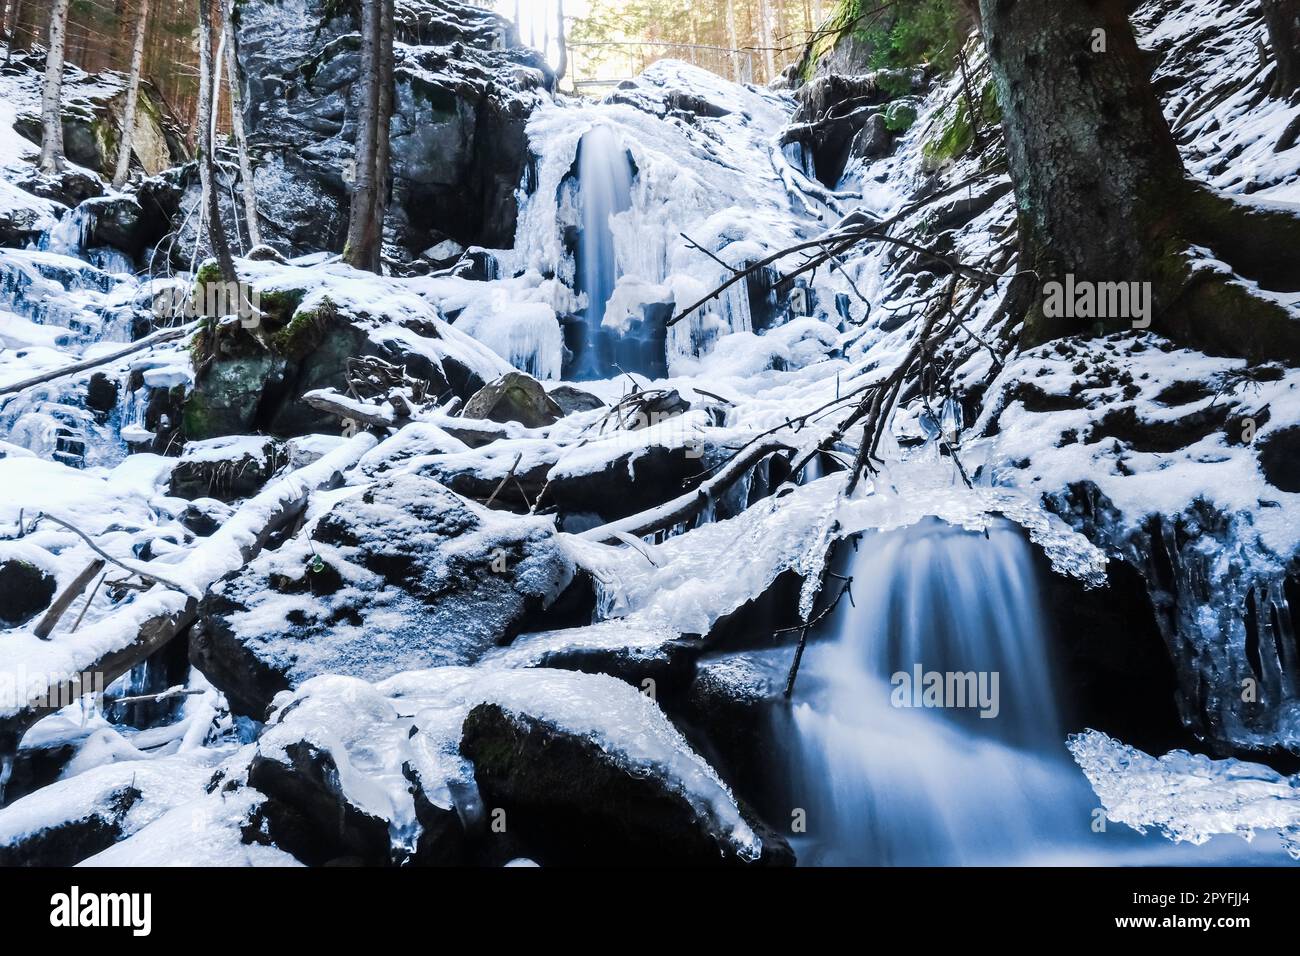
(892, 755)
(604, 190)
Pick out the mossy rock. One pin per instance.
(900, 116)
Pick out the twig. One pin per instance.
(803, 634)
(509, 474)
(147, 575)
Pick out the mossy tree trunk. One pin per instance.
(1103, 195)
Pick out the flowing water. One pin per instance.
(891, 775)
(605, 189)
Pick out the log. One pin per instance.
(162, 335)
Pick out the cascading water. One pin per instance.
(926, 730)
(604, 190)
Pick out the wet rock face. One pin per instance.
(570, 803)
(1225, 630)
(92, 106)
(464, 90)
(403, 576)
(25, 591)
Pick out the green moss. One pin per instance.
(279, 305)
(955, 137)
(899, 116)
(305, 330)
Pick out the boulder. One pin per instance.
(308, 813)
(68, 842)
(572, 400)
(515, 397)
(256, 379)
(572, 803)
(93, 105)
(404, 575)
(226, 468)
(25, 591)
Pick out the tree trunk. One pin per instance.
(132, 95)
(765, 37)
(1103, 195)
(364, 235)
(732, 41)
(51, 118)
(563, 66)
(237, 126)
(218, 68)
(207, 159)
(1283, 20)
(383, 124)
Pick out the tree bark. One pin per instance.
(1283, 20)
(365, 233)
(132, 97)
(51, 118)
(765, 37)
(237, 125)
(732, 41)
(563, 66)
(207, 159)
(1102, 193)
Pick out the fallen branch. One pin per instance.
(64, 601)
(341, 406)
(131, 566)
(688, 505)
(162, 335)
(160, 615)
(803, 634)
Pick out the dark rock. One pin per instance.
(225, 470)
(873, 140)
(101, 393)
(307, 813)
(572, 400)
(569, 800)
(515, 397)
(403, 576)
(68, 843)
(1279, 459)
(25, 591)
(36, 767)
(256, 381)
